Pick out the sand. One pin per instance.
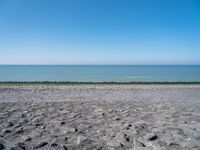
(100, 117)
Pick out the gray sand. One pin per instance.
(100, 117)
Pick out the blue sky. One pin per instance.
(99, 32)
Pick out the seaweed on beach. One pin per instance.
(78, 83)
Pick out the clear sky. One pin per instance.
(99, 31)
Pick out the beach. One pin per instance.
(100, 116)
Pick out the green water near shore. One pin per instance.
(78, 83)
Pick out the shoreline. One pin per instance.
(98, 83)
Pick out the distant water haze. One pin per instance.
(99, 73)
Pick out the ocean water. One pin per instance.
(94, 73)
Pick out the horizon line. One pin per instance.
(99, 64)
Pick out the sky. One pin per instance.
(100, 32)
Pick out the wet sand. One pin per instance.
(100, 117)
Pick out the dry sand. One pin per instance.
(100, 117)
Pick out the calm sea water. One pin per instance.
(124, 73)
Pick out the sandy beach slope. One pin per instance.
(99, 117)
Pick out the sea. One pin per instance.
(101, 73)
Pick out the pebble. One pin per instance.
(122, 145)
(10, 124)
(25, 138)
(38, 124)
(54, 145)
(117, 119)
(22, 146)
(2, 146)
(127, 139)
(23, 115)
(28, 139)
(65, 147)
(62, 123)
(152, 137)
(19, 131)
(66, 139)
(129, 125)
(7, 131)
(42, 144)
(142, 144)
(173, 144)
